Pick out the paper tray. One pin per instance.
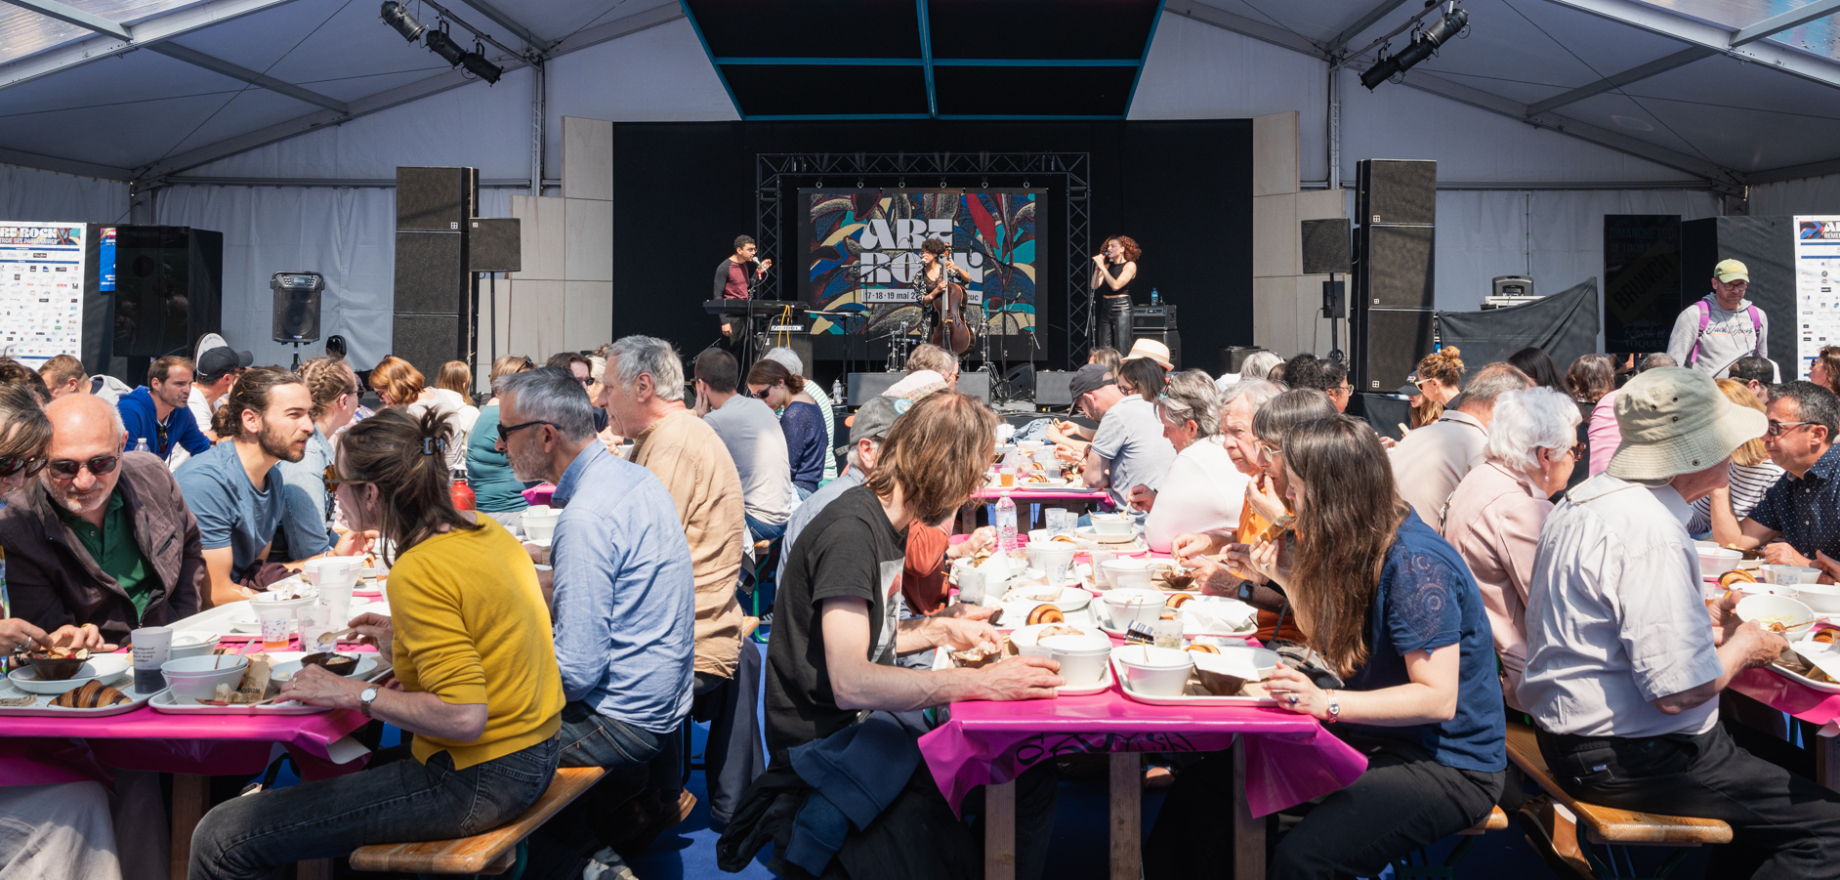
(1805, 681)
(942, 659)
(1184, 699)
(42, 708)
(165, 702)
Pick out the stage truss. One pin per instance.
(775, 173)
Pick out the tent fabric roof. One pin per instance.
(1694, 85)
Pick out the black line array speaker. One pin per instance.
(1394, 282)
(1326, 247)
(169, 283)
(495, 245)
(433, 310)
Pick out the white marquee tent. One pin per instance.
(280, 122)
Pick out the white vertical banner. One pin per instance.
(41, 290)
(1817, 278)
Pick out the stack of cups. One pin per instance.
(337, 576)
(540, 522)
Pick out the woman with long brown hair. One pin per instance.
(1396, 616)
(470, 640)
(1114, 267)
(799, 419)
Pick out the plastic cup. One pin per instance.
(316, 621)
(1168, 633)
(971, 586)
(152, 648)
(275, 625)
(1060, 522)
(337, 601)
(1102, 579)
(1006, 479)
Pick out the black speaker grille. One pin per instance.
(297, 314)
(495, 246)
(427, 341)
(433, 198)
(430, 276)
(1325, 247)
(1396, 269)
(1392, 343)
(1398, 191)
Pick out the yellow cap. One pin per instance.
(1728, 271)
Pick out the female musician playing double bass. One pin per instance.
(939, 285)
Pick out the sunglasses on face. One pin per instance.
(98, 466)
(504, 432)
(12, 464)
(762, 393)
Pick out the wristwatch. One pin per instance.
(1245, 591)
(364, 700)
(1335, 710)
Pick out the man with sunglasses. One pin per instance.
(1798, 520)
(157, 412)
(102, 540)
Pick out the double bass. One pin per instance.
(950, 331)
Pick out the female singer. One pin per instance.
(1113, 270)
(936, 271)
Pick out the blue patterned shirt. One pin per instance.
(1807, 510)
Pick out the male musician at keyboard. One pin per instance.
(735, 279)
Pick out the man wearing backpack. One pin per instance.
(1722, 326)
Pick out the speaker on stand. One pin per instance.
(1327, 250)
(1393, 309)
(297, 308)
(495, 246)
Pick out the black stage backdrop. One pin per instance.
(1183, 190)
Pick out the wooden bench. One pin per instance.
(1608, 826)
(493, 852)
(1418, 864)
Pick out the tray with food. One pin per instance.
(1808, 662)
(65, 682)
(1081, 651)
(230, 684)
(1201, 615)
(1202, 675)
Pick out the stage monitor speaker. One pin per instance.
(1051, 388)
(1396, 191)
(976, 384)
(1391, 341)
(169, 283)
(435, 199)
(862, 386)
(1171, 338)
(1396, 267)
(1153, 319)
(1233, 358)
(496, 245)
(1326, 247)
(1335, 299)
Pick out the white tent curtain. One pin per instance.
(1813, 195)
(30, 194)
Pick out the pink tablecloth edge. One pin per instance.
(1284, 767)
(147, 740)
(1784, 695)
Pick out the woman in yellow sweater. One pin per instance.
(477, 671)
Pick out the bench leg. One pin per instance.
(313, 869)
(1127, 815)
(1000, 831)
(191, 799)
(1248, 832)
(1827, 761)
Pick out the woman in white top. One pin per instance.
(1203, 490)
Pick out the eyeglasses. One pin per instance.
(762, 393)
(1268, 450)
(12, 464)
(331, 476)
(504, 433)
(98, 466)
(1776, 428)
(1579, 451)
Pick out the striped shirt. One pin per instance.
(1748, 483)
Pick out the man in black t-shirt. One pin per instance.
(832, 654)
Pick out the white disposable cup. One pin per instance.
(971, 586)
(1102, 579)
(152, 648)
(315, 621)
(338, 600)
(274, 622)
(540, 529)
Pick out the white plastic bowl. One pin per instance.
(1823, 598)
(1800, 617)
(1790, 575)
(192, 644)
(1128, 574)
(1715, 561)
(1157, 672)
(1111, 524)
(197, 678)
(1124, 606)
(1082, 658)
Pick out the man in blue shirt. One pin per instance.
(1798, 520)
(157, 413)
(624, 606)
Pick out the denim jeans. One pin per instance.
(594, 820)
(763, 531)
(399, 801)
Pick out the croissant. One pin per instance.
(1204, 649)
(93, 695)
(1736, 576)
(1177, 600)
(1046, 614)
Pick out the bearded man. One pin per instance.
(102, 542)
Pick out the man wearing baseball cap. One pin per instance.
(1129, 448)
(1722, 326)
(1624, 666)
(217, 371)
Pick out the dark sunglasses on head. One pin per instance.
(97, 466)
(12, 464)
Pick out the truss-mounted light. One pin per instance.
(399, 18)
(440, 43)
(1423, 44)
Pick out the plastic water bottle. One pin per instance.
(141, 445)
(1006, 524)
(1156, 299)
(837, 393)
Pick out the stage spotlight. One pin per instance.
(399, 18)
(1423, 44)
(476, 62)
(443, 45)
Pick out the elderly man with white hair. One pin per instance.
(1496, 513)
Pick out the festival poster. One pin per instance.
(862, 251)
(1817, 275)
(41, 290)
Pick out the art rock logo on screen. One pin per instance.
(1816, 230)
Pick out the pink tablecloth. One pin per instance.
(1783, 695)
(540, 494)
(1289, 757)
(207, 744)
(1023, 494)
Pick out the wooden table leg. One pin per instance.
(1248, 832)
(1128, 816)
(191, 798)
(1000, 831)
(1827, 761)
